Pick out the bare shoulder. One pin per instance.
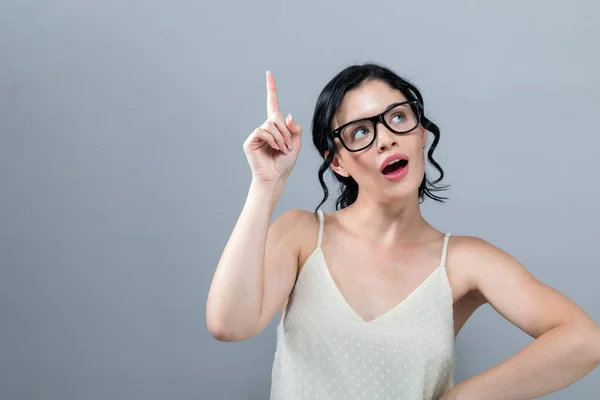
(295, 221)
(299, 226)
(475, 256)
(467, 257)
(473, 245)
(467, 249)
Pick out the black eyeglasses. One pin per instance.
(399, 118)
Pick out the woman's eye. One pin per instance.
(397, 118)
(359, 133)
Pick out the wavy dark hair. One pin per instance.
(327, 105)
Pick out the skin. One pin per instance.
(379, 249)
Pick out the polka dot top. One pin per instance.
(325, 350)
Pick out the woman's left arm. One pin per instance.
(567, 340)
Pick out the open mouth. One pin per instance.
(394, 166)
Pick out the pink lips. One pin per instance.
(399, 174)
(396, 156)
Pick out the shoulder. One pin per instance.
(480, 265)
(471, 258)
(296, 220)
(476, 253)
(297, 225)
(470, 246)
(301, 227)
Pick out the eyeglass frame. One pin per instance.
(375, 120)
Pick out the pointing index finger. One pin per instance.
(272, 103)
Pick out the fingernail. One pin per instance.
(289, 147)
(268, 72)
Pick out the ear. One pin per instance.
(424, 137)
(337, 165)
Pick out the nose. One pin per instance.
(386, 139)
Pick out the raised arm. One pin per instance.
(258, 266)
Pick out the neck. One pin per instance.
(392, 222)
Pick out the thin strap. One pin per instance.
(445, 248)
(321, 223)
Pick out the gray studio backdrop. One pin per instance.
(122, 171)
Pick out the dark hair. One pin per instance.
(327, 105)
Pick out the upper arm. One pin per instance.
(514, 292)
(282, 253)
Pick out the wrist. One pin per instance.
(267, 186)
(266, 191)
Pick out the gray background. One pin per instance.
(122, 171)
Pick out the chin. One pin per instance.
(399, 193)
(393, 191)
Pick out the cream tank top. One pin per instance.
(325, 350)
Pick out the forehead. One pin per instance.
(370, 98)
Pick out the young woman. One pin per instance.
(372, 296)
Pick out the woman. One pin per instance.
(372, 296)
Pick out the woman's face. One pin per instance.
(366, 167)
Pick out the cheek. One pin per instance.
(417, 164)
(362, 163)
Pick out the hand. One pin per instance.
(272, 149)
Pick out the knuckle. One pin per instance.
(270, 125)
(275, 117)
(256, 132)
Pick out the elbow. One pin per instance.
(218, 329)
(221, 334)
(226, 327)
(224, 332)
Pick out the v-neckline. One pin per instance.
(319, 251)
